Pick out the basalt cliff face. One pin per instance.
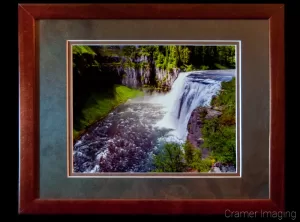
(141, 72)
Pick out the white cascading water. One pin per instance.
(189, 91)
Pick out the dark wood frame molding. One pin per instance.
(29, 15)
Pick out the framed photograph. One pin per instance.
(151, 108)
(154, 109)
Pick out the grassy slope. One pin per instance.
(99, 105)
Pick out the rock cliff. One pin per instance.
(141, 72)
(195, 125)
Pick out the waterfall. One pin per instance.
(189, 91)
(126, 139)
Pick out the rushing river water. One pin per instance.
(127, 138)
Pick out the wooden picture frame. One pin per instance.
(30, 14)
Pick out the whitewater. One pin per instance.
(127, 138)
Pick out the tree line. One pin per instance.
(186, 58)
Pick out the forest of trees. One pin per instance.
(190, 58)
(176, 56)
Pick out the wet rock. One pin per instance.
(211, 113)
(195, 125)
(218, 108)
(222, 168)
(215, 170)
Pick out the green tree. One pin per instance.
(148, 50)
(170, 159)
(185, 55)
(129, 50)
(221, 140)
(204, 165)
(199, 164)
(188, 152)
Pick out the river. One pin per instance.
(127, 138)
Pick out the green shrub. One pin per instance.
(188, 152)
(201, 165)
(179, 158)
(219, 66)
(189, 68)
(204, 67)
(170, 159)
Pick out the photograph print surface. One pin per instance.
(154, 108)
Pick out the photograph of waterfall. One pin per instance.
(154, 108)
